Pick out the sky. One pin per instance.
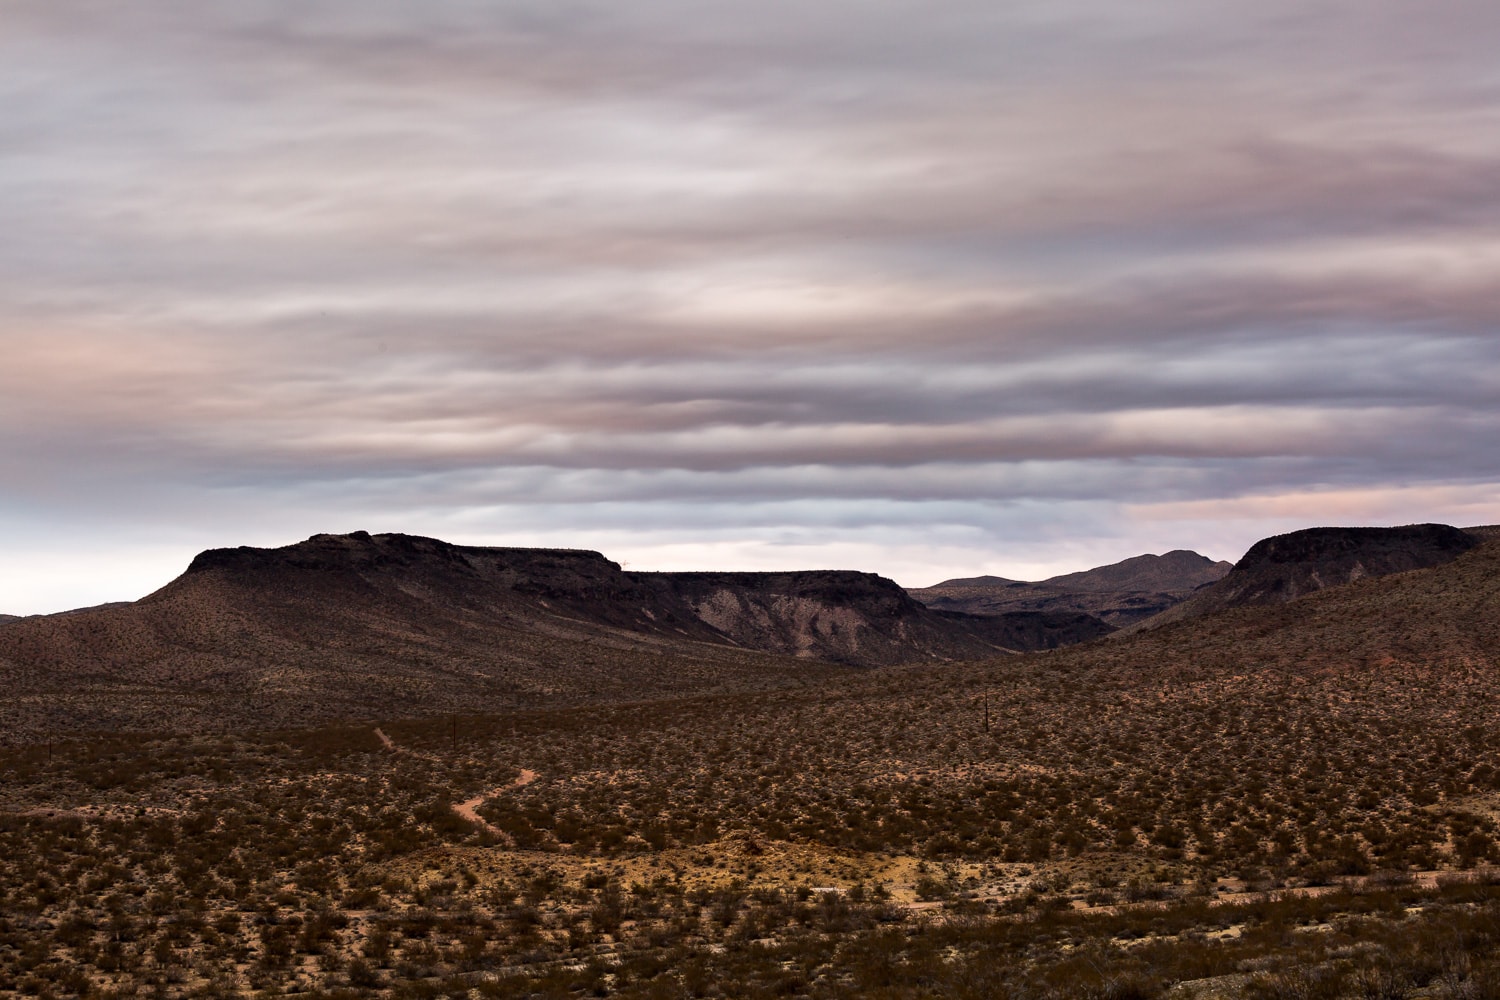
(928, 289)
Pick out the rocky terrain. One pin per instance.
(1285, 567)
(859, 618)
(360, 626)
(1119, 594)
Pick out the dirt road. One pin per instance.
(468, 809)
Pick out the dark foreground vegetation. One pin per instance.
(1262, 836)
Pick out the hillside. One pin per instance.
(1286, 567)
(1171, 572)
(1119, 594)
(360, 626)
(1439, 620)
(858, 618)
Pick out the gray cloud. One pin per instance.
(1024, 285)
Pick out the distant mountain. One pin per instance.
(974, 581)
(9, 618)
(1119, 594)
(859, 618)
(1285, 567)
(1172, 572)
(351, 626)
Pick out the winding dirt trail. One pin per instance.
(467, 810)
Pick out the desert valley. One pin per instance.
(382, 764)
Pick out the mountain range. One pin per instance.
(1120, 594)
(361, 625)
(378, 626)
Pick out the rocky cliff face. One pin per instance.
(859, 618)
(1285, 567)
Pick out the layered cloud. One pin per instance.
(929, 290)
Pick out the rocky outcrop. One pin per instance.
(1285, 567)
(858, 618)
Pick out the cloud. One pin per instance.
(1029, 285)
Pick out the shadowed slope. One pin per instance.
(1119, 594)
(1444, 617)
(358, 626)
(859, 618)
(1286, 567)
(1170, 572)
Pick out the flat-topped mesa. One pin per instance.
(346, 570)
(360, 550)
(352, 626)
(1412, 546)
(839, 615)
(561, 573)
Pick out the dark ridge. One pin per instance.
(851, 587)
(1414, 546)
(361, 550)
(1286, 567)
(1120, 594)
(1036, 630)
(978, 581)
(576, 583)
(1170, 572)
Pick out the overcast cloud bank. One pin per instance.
(927, 290)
